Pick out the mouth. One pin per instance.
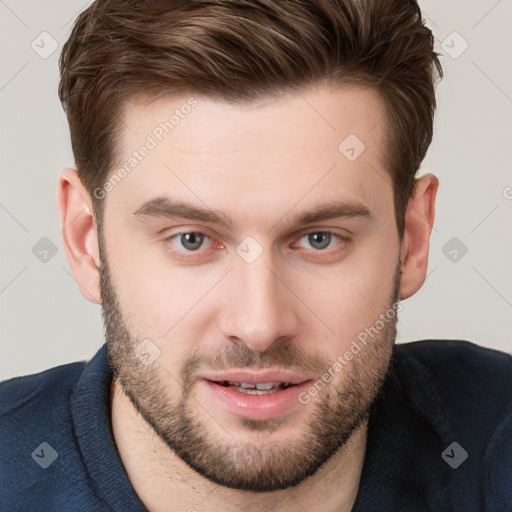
(257, 396)
(261, 388)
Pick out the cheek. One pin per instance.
(351, 298)
(155, 295)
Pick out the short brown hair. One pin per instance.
(242, 50)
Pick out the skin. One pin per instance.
(295, 305)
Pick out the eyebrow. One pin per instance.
(169, 208)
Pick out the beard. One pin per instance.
(262, 465)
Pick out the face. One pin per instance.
(233, 330)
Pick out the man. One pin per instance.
(246, 209)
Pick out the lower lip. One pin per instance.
(256, 407)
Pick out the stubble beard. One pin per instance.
(242, 464)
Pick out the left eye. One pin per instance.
(321, 240)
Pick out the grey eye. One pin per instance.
(191, 241)
(320, 239)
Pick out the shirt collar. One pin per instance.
(90, 409)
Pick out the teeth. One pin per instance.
(257, 389)
(267, 385)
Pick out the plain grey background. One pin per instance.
(468, 292)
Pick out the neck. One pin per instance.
(164, 482)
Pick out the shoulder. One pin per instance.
(48, 388)
(469, 380)
(463, 365)
(41, 464)
(463, 391)
(466, 391)
(37, 403)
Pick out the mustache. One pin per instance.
(283, 355)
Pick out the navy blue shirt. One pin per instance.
(439, 437)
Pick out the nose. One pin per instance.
(259, 307)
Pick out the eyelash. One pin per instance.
(190, 255)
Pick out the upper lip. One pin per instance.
(258, 377)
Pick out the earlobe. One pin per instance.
(419, 220)
(79, 233)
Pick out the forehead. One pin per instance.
(287, 120)
(323, 142)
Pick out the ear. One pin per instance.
(79, 233)
(419, 219)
